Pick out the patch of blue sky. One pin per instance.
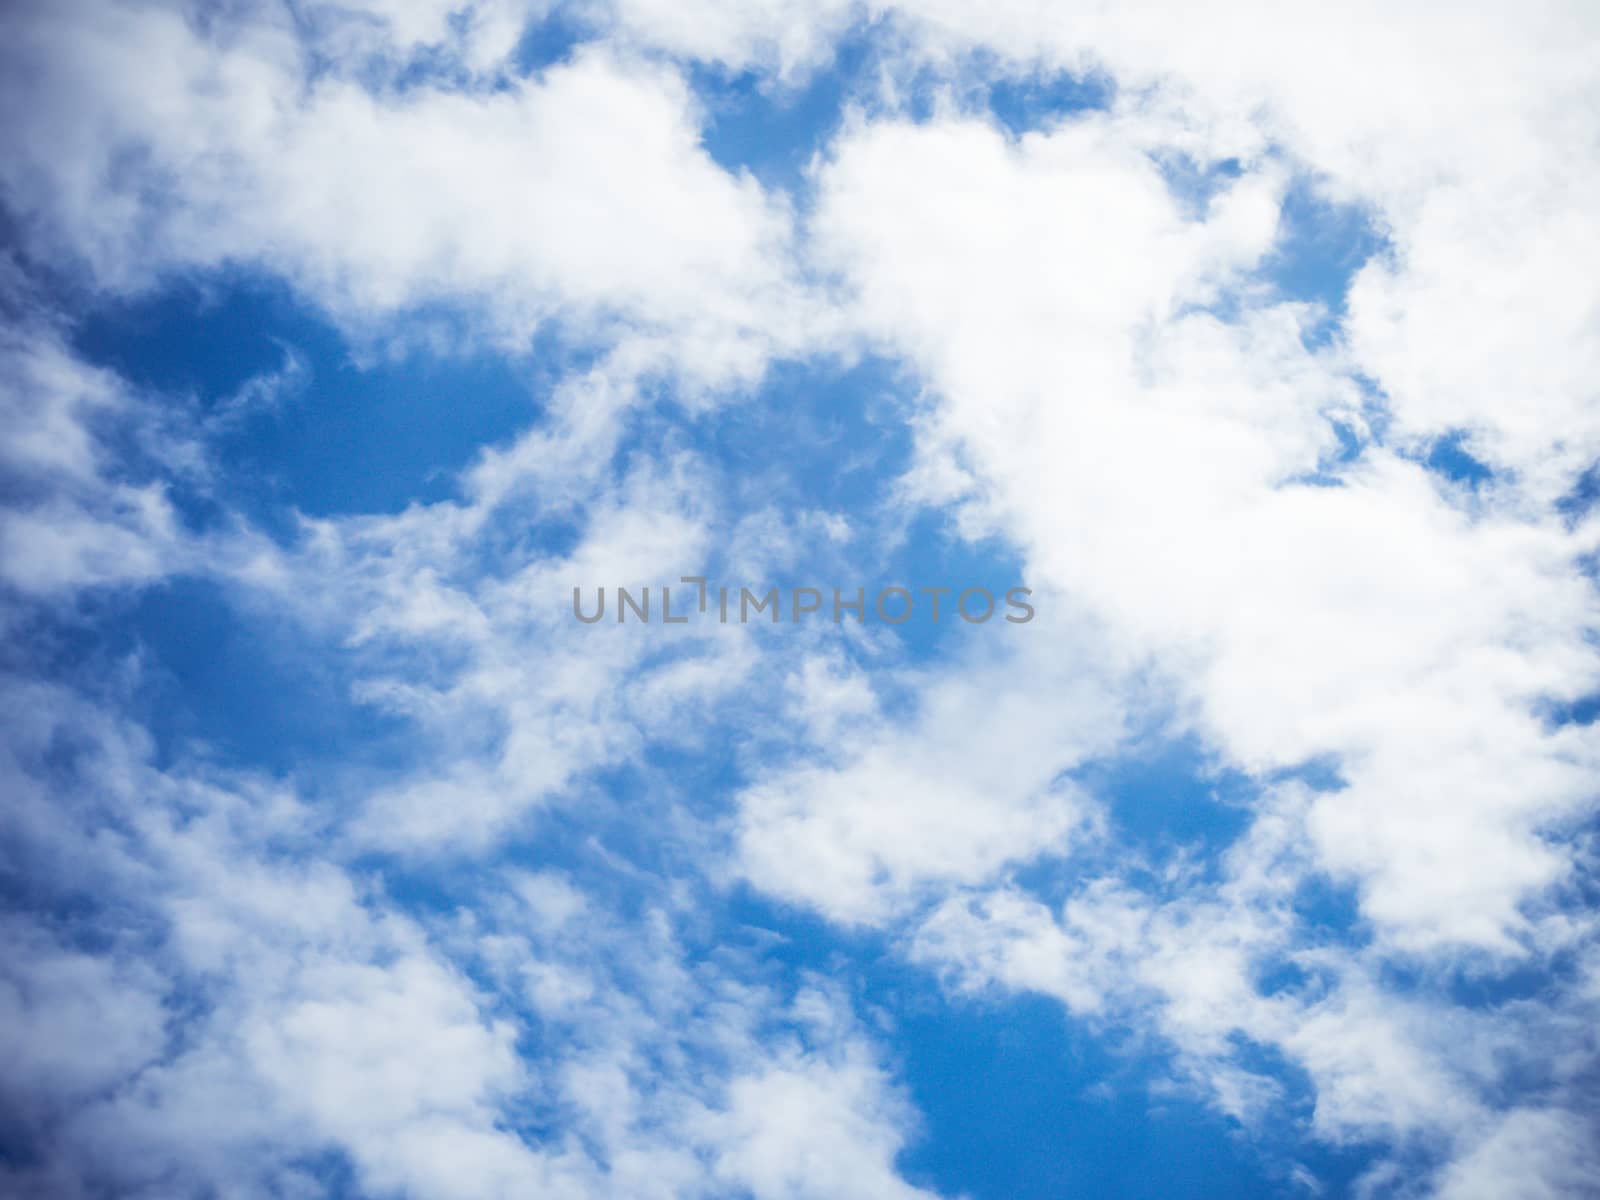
(551, 41)
(1582, 498)
(934, 553)
(1021, 1102)
(1042, 98)
(207, 335)
(339, 436)
(1329, 472)
(1449, 456)
(1018, 101)
(1280, 1136)
(1170, 803)
(1321, 246)
(1492, 985)
(1583, 711)
(1167, 797)
(1285, 976)
(1195, 185)
(772, 129)
(239, 688)
(1329, 910)
(818, 434)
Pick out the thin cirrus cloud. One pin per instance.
(650, 911)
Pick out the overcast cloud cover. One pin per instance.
(343, 338)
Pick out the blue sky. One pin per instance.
(341, 860)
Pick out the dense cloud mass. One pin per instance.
(343, 340)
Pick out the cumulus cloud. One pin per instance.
(580, 194)
(885, 812)
(1127, 436)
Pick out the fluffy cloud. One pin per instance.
(1408, 1066)
(321, 1019)
(1331, 602)
(78, 518)
(581, 194)
(882, 813)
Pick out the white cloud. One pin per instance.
(1407, 1068)
(1146, 457)
(1538, 1153)
(882, 814)
(78, 518)
(581, 194)
(75, 1023)
(319, 1018)
(836, 1133)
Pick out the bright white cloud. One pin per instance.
(1129, 441)
(581, 195)
(879, 814)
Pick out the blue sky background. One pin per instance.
(341, 861)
